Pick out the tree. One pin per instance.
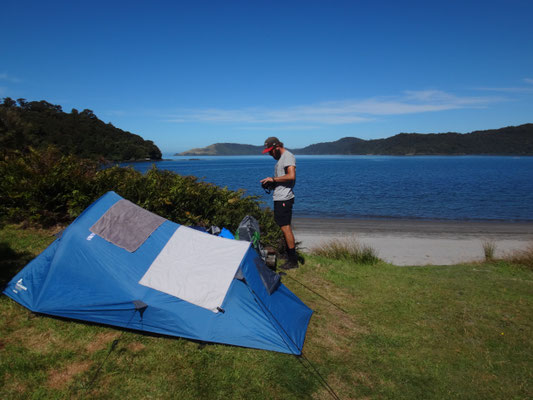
(9, 102)
(88, 113)
(22, 102)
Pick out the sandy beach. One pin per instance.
(418, 242)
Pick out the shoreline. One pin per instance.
(418, 242)
(414, 226)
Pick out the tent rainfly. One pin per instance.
(118, 264)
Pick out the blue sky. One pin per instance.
(189, 74)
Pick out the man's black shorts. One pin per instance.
(283, 212)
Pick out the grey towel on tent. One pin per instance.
(127, 225)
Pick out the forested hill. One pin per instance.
(39, 124)
(512, 140)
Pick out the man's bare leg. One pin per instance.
(289, 236)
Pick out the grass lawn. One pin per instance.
(461, 332)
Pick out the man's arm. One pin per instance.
(290, 175)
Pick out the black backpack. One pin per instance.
(249, 230)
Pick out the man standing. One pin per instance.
(283, 180)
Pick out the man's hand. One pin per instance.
(268, 184)
(266, 180)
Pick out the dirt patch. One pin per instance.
(362, 378)
(101, 341)
(136, 347)
(12, 385)
(60, 379)
(33, 339)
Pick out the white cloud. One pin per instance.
(5, 77)
(116, 113)
(321, 113)
(507, 89)
(518, 89)
(278, 128)
(337, 112)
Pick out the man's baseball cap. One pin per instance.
(270, 143)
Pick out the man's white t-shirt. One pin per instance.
(283, 191)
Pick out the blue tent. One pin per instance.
(121, 265)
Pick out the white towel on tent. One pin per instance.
(196, 267)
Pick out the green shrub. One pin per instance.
(47, 188)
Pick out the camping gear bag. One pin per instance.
(249, 230)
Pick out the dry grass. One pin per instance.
(348, 249)
(135, 347)
(14, 386)
(58, 379)
(101, 341)
(489, 248)
(522, 257)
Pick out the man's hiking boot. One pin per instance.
(289, 265)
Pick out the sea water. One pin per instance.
(423, 187)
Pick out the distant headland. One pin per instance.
(511, 140)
